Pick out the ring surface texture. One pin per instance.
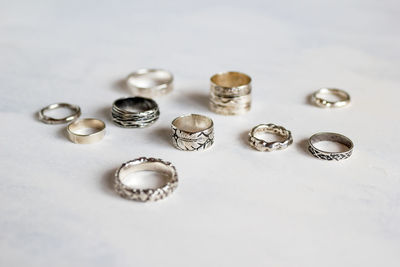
(333, 137)
(318, 98)
(135, 112)
(192, 132)
(263, 145)
(150, 82)
(146, 164)
(76, 112)
(230, 93)
(77, 134)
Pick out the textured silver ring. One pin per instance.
(76, 112)
(150, 82)
(148, 194)
(264, 145)
(134, 112)
(318, 98)
(192, 132)
(86, 131)
(230, 93)
(333, 137)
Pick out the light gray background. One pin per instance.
(234, 206)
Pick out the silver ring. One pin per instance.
(148, 194)
(86, 131)
(230, 93)
(150, 82)
(333, 137)
(319, 100)
(135, 112)
(192, 132)
(263, 145)
(76, 112)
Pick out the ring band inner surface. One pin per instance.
(135, 104)
(230, 79)
(328, 94)
(193, 123)
(149, 78)
(332, 138)
(147, 166)
(86, 127)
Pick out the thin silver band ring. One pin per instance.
(318, 99)
(333, 137)
(76, 112)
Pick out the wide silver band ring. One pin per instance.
(264, 145)
(192, 132)
(134, 112)
(86, 131)
(319, 100)
(146, 164)
(76, 112)
(150, 82)
(230, 93)
(333, 137)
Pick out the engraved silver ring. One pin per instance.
(165, 168)
(264, 145)
(333, 137)
(192, 132)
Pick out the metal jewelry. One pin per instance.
(192, 132)
(86, 131)
(230, 93)
(150, 82)
(135, 112)
(319, 100)
(333, 137)
(146, 164)
(263, 145)
(76, 112)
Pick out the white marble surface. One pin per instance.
(234, 206)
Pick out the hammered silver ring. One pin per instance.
(148, 194)
(264, 145)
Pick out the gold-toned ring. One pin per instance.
(86, 131)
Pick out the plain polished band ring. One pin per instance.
(318, 98)
(263, 145)
(150, 82)
(192, 132)
(230, 93)
(76, 112)
(148, 194)
(333, 137)
(86, 131)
